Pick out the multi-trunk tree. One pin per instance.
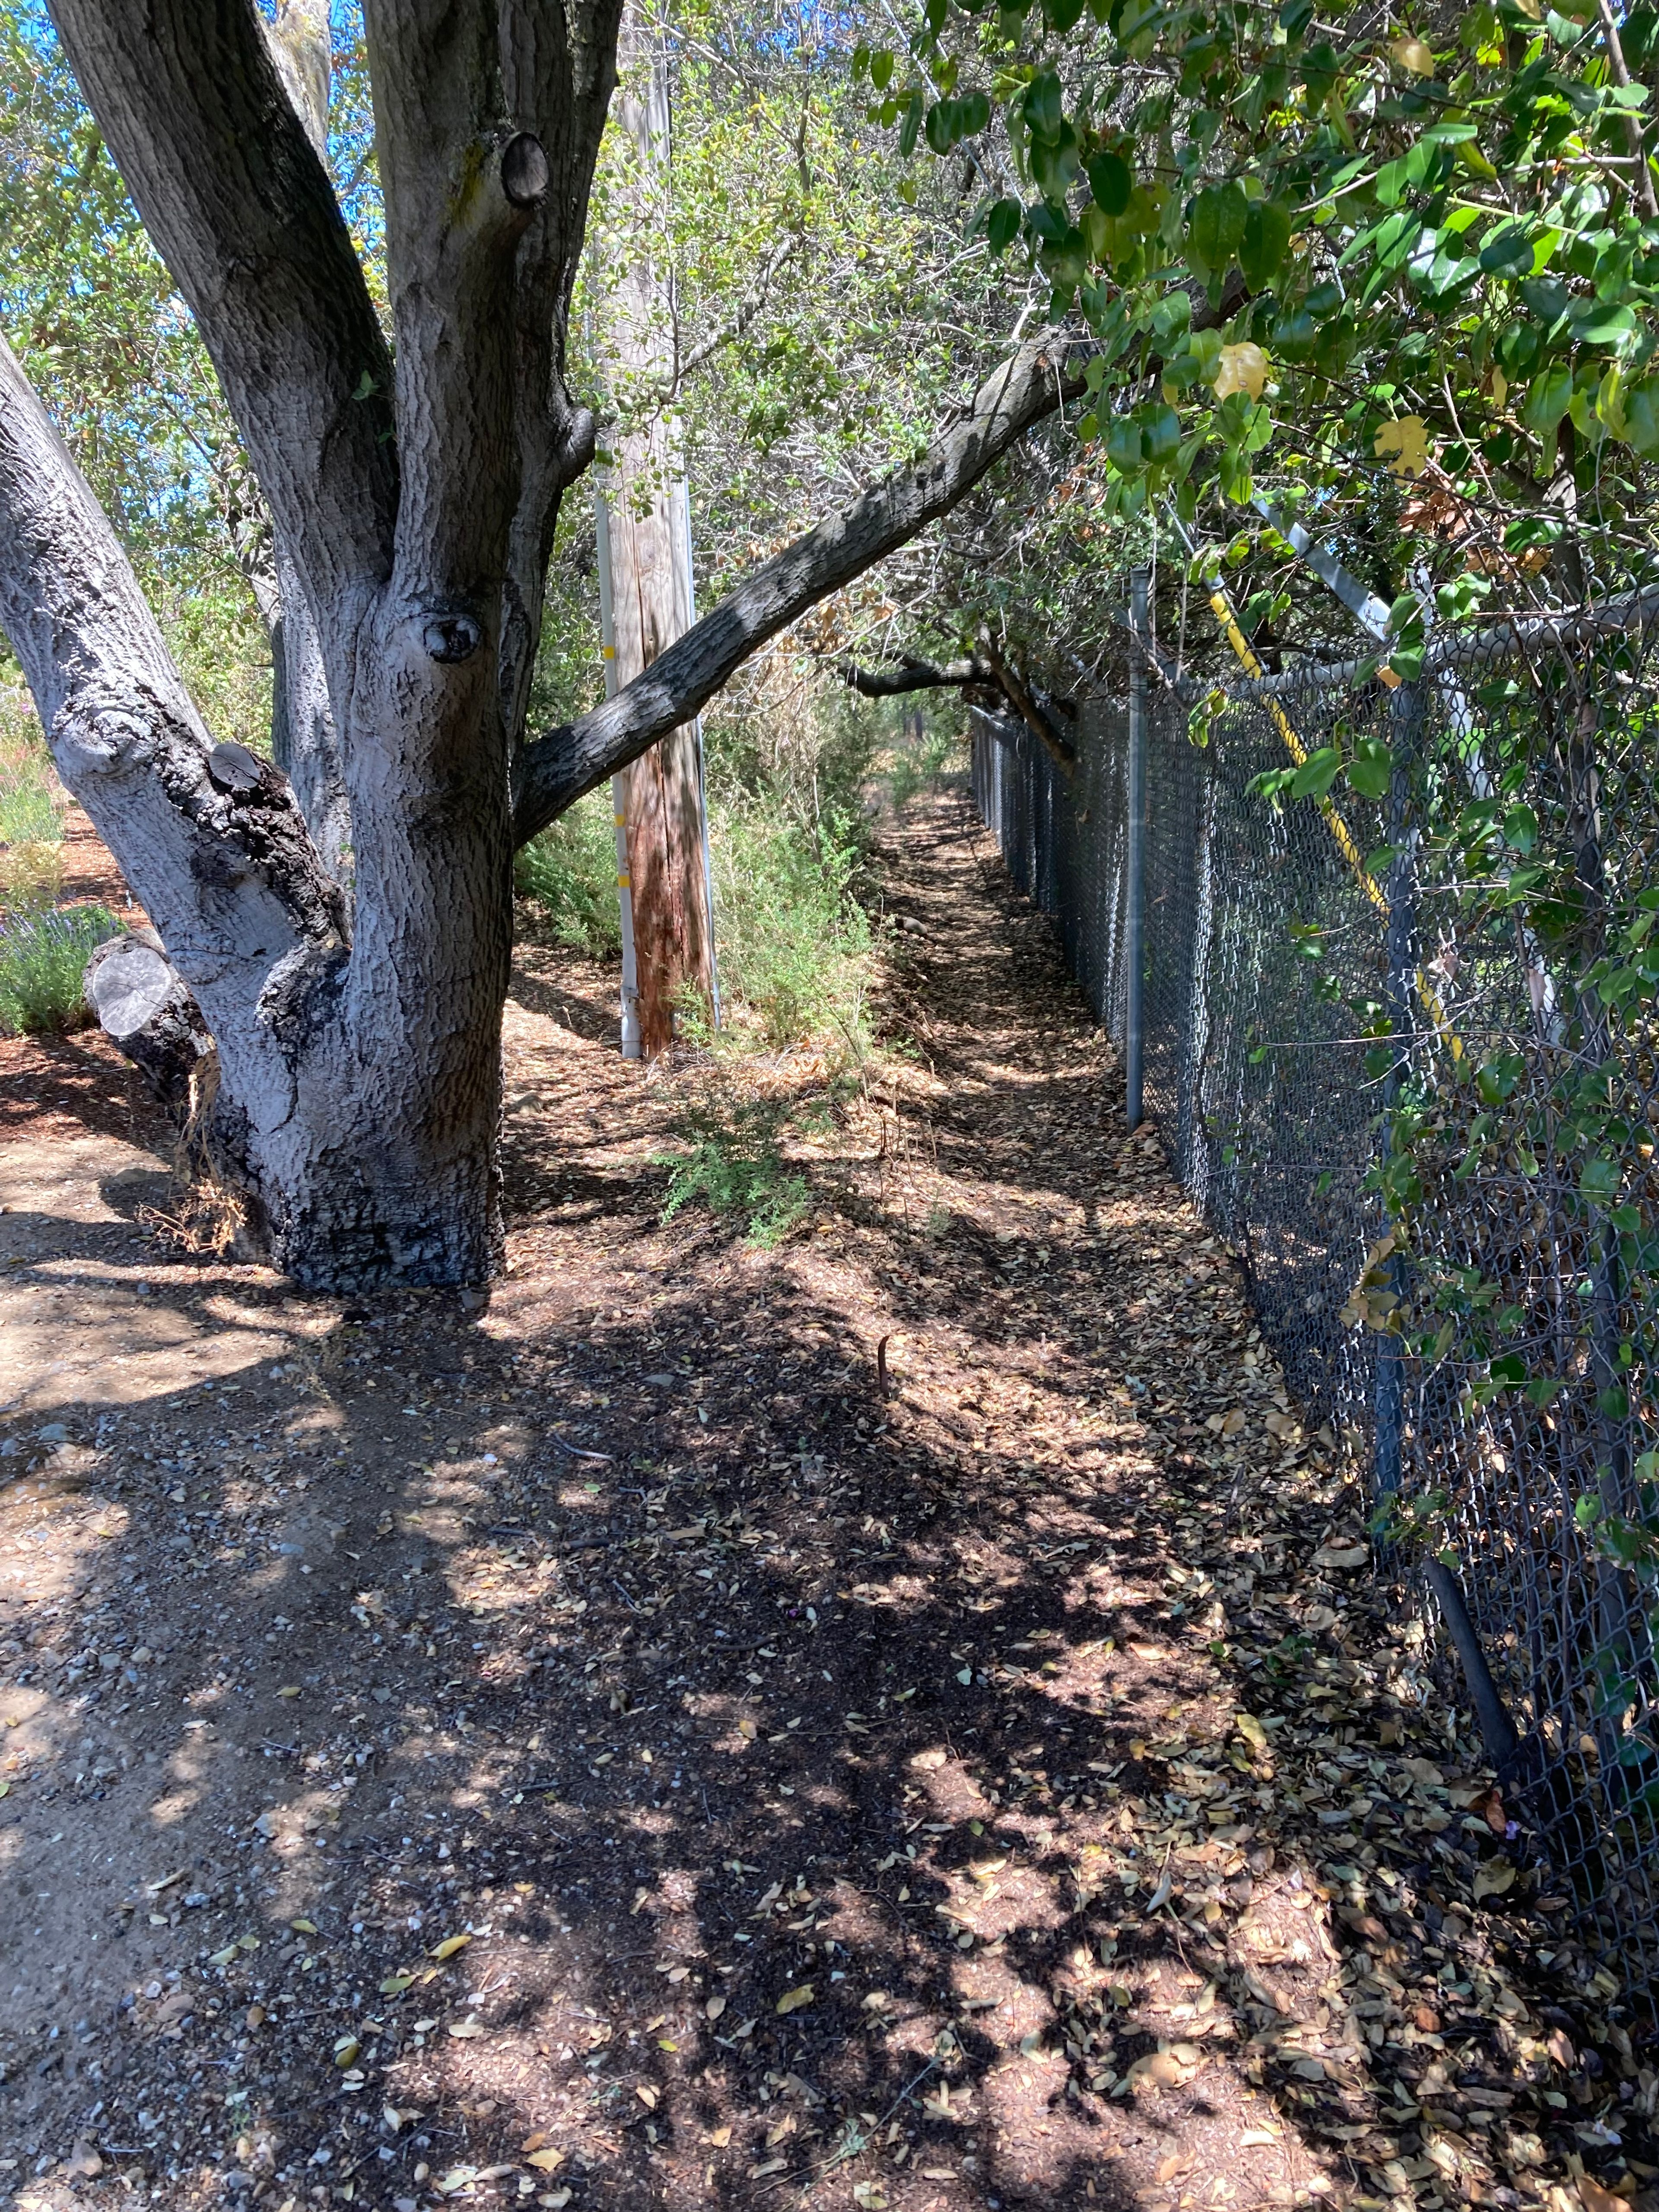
(353, 988)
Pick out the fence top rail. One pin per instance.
(1561, 629)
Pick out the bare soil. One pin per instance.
(903, 1720)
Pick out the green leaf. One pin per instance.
(1521, 828)
(1599, 1178)
(1371, 770)
(911, 127)
(1495, 1079)
(1002, 225)
(1041, 106)
(1111, 181)
(1123, 447)
(1216, 230)
(1507, 251)
(1267, 234)
(1317, 773)
(1160, 432)
(1548, 399)
(881, 69)
(1641, 418)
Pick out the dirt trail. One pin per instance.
(589, 1744)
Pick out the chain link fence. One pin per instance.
(1401, 1044)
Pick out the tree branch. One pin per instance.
(558, 767)
(736, 324)
(461, 188)
(915, 676)
(232, 190)
(230, 877)
(987, 671)
(558, 71)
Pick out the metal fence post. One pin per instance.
(1134, 917)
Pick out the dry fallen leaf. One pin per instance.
(449, 1947)
(1340, 1555)
(1594, 2198)
(545, 2161)
(715, 2007)
(472, 2026)
(792, 1999)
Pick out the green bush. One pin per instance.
(794, 942)
(735, 1167)
(571, 872)
(920, 759)
(27, 813)
(43, 954)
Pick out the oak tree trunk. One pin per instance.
(343, 923)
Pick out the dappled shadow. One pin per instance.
(593, 1736)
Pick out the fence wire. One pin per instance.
(1401, 1044)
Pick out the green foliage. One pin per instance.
(569, 871)
(735, 1167)
(29, 811)
(1428, 249)
(792, 940)
(920, 759)
(43, 953)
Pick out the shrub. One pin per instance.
(43, 954)
(794, 942)
(569, 871)
(735, 1167)
(28, 807)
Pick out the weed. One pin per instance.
(42, 955)
(29, 803)
(792, 940)
(735, 1166)
(31, 875)
(571, 872)
(918, 763)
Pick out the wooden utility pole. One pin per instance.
(646, 512)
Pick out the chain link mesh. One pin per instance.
(1400, 1045)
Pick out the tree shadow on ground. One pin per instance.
(594, 1738)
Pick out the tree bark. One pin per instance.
(650, 584)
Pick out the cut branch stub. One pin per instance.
(525, 171)
(145, 1007)
(233, 768)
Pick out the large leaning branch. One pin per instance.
(916, 676)
(211, 833)
(985, 671)
(558, 767)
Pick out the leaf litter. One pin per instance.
(905, 1719)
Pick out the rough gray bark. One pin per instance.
(357, 1023)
